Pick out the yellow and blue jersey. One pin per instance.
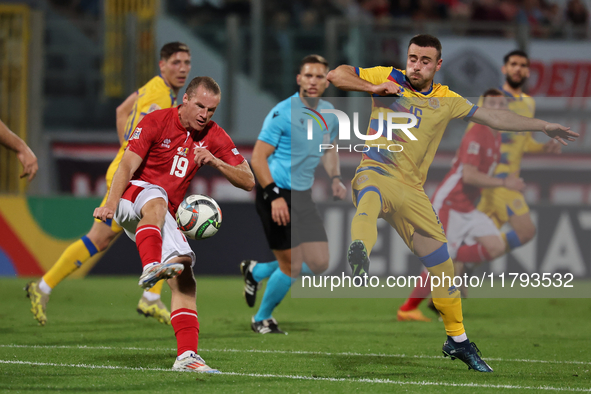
(515, 144)
(154, 95)
(433, 110)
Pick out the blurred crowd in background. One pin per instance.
(545, 17)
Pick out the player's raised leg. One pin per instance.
(364, 232)
(148, 238)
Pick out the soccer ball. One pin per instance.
(199, 217)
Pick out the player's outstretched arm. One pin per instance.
(240, 175)
(510, 121)
(330, 161)
(344, 77)
(471, 176)
(130, 162)
(123, 111)
(24, 154)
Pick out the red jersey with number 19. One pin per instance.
(168, 152)
(480, 147)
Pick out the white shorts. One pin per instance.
(128, 215)
(465, 227)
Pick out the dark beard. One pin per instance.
(515, 85)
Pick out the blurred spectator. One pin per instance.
(577, 13)
(428, 10)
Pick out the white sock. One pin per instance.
(186, 354)
(44, 287)
(460, 338)
(151, 296)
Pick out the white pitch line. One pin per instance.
(313, 378)
(304, 352)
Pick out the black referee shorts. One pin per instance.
(305, 220)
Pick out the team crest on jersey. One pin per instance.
(136, 134)
(154, 107)
(166, 143)
(182, 151)
(517, 204)
(362, 179)
(434, 102)
(201, 145)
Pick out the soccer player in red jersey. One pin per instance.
(165, 151)
(472, 236)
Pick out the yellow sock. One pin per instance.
(157, 288)
(449, 305)
(364, 225)
(71, 259)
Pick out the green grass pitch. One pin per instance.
(94, 341)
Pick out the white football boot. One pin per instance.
(156, 271)
(191, 362)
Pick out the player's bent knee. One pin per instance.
(101, 238)
(185, 282)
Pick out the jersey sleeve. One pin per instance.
(272, 127)
(375, 75)
(532, 146)
(225, 149)
(461, 107)
(154, 101)
(472, 146)
(144, 136)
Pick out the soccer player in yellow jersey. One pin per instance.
(159, 93)
(389, 181)
(501, 204)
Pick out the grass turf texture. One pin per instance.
(334, 345)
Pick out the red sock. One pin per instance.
(148, 240)
(186, 329)
(473, 254)
(419, 293)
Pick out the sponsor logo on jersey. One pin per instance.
(136, 134)
(166, 143)
(182, 151)
(362, 179)
(153, 107)
(235, 151)
(473, 148)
